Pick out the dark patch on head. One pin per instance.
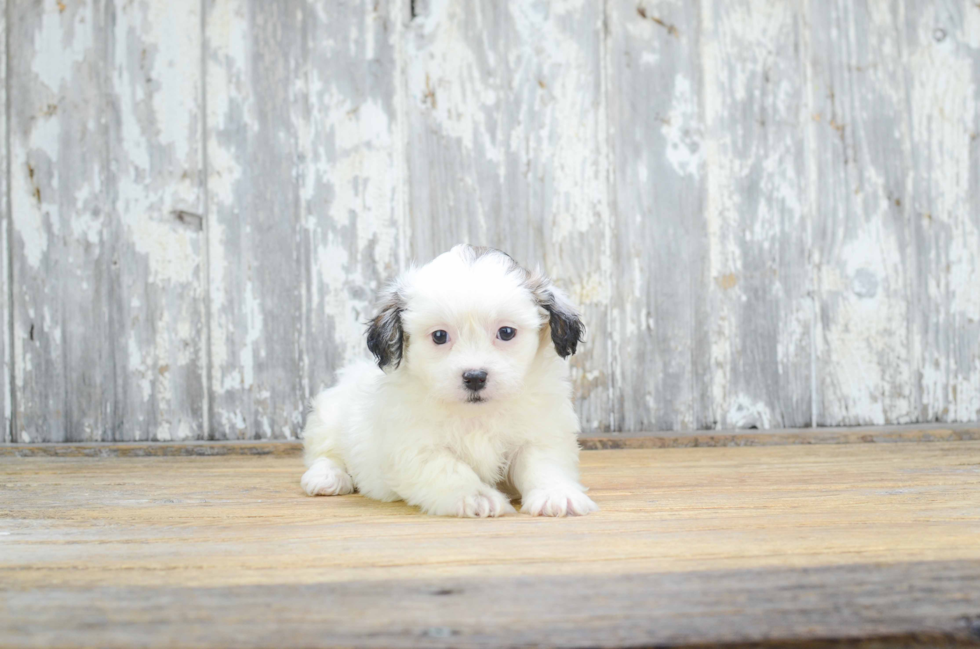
(385, 335)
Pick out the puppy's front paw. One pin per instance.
(325, 478)
(488, 505)
(558, 501)
(482, 504)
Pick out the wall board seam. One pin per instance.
(697, 280)
(206, 414)
(913, 245)
(109, 192)
(605, 70)
(10, 432)
(405, 13)
(809, 138)
(402, 121)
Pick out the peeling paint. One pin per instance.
(563, 138)
(865, 345)
(757, 241)
(61, 42)
(30, 222)
(944, 204)
(682, 130)
(727, 281)
(58, 213)
(767, 212)
(447, 68)
(156, 164)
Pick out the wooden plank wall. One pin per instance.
(769, 212)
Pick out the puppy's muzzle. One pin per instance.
(475, 380)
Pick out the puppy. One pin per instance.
(470, 398)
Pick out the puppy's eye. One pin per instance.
(440, 337)
(506, 333)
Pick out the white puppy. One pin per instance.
(472, 396)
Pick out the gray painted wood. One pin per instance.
(254, 78)
(6, 389)
(862, 247)
(306, 213)
(770, 214)
(758, 273)
(942, 74)
(63, 348)
(659, 305)
(156, 202)
(105, 146)
(351, 172)
(454, 85)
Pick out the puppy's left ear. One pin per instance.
(385, 335)
(567, 330)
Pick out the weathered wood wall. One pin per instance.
(769, 211)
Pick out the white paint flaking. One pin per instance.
(546, 51)
(64, 37)
(683, 131)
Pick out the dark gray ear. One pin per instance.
(385, 336)
(567, 330)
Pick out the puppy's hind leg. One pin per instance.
(326, 474)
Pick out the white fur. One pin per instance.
(409, 433)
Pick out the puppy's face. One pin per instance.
(468, 325)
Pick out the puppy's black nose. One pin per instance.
(475, 380)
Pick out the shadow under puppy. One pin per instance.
(470, 398)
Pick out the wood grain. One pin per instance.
(853, 606)
(62, 245)
(758, 278)
(942, 45)
(355, 234)
(306, 214)
(105, 138)
(690, 546)
(255, 218)
(156, 202)
(659, 319)
(861, 239)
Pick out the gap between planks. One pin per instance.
(646, 440)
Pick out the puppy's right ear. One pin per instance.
(385, 336)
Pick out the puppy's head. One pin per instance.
(469, 325)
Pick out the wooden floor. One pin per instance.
(788, 544)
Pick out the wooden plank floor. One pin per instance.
(802, 544)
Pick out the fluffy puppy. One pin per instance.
(470, 398)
